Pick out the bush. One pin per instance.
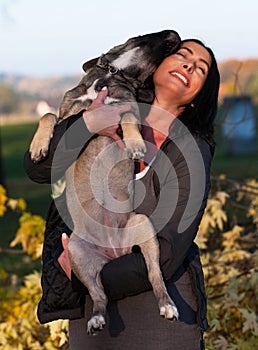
(19, 327)
(228, 241)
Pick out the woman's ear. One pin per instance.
(87, 65)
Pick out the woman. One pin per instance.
(186, 90)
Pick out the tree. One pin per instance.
(9, 102)
(9, 99)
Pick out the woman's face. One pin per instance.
(181, 76)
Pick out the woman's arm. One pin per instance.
(72, 135)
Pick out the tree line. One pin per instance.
(237, 78)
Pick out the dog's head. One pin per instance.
(143, 54)
(138, 58)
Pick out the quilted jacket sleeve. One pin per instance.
(70, 136)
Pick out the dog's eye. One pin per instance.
(113, 70)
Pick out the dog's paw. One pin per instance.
(39, 147)
(95, 324)
(136, 148)
(169, 311)
(40, 143)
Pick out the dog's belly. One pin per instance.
(101, 230)
(112, 253)
(105, 253)
(99, 194)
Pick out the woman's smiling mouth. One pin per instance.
(181, 77)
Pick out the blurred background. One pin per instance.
(43, 46)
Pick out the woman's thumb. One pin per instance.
(102, 95)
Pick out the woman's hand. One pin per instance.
(103, 119)
(63, 259)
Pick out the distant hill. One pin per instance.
(50, 89)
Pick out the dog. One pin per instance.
(98, 185)
(125, 70)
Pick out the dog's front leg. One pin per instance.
(86, 263)
(40, 142)
(132, 137)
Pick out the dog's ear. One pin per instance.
(145, 95)
(87, 65)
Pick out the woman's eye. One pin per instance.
(202, 70)
(181, 54)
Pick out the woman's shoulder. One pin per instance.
(205, 144)
(182, 140)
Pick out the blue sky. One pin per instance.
(55, 37)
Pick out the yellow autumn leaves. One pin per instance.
(13, 204)
(30, 234)
(228, 241)
(31, 227)
(3, 199)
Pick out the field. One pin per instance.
(15, 141)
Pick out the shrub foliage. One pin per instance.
(227, 238)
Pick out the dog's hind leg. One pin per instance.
(144, 235)
(150, 251)
(86, 263)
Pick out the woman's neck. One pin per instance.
(155, 130)
(159, 120)
(165, 104)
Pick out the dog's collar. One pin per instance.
(105, 65)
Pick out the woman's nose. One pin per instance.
(189, 66)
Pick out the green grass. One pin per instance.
(15, 140)
(236, 167)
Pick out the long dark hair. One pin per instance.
(199, 116)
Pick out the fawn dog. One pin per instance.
(98, 190)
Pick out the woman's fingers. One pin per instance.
(65, 241)
(118, 140)
(63, 259)
(100, 99)
(104, 119)
(100, 102)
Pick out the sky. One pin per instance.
(55, 37)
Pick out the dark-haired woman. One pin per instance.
(178, 131)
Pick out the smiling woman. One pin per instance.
(186, 91)
(181, 76)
